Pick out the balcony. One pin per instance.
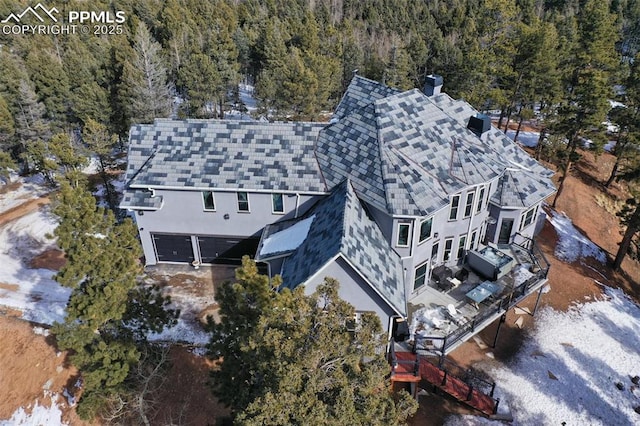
(457, 303)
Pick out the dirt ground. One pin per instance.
(30, 360)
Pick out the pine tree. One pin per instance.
(290, 358)
(7, 128)
(105, 326)
(585, 103)
(146, 78)
(627, 119)
(101, 143)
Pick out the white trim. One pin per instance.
(136, 208)
(426, 263)
(284, 209)
(430, 231)
(444, 248)
(248, 210)
(466, 204)
(206, 188)
(312, 277)
(408, 235)
(204, 205)
(451, 208)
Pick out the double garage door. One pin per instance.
(179, 248)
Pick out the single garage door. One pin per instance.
(226, 249)
(173, 248)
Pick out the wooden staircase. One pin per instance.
(413, 368)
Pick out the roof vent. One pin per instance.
(479, 124)
(433, 85)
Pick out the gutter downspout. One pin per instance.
(297, 204)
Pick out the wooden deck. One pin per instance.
(431, 375)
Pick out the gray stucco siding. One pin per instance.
(183, 213)
(353, 288)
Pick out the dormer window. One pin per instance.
(403, 235)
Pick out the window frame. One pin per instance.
(400, 225)
(240, 210)
(468, 207)
(423, 276)
(435, 253)
(523, 217)
(462, 243)
(453, 209)
(446, 254)
(430, 221)
(472, 240)
(204, 201)
(273, 203)
(480, 200)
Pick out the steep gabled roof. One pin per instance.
(406, 152)
(212, 154)
(521, 189)
(360, 93)
(341, 227)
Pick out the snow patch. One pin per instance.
(38, 415)
(572, 244)
(528, 139)
(288, 239)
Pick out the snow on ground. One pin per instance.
(30, 188)
(36, 415)
(32, 291)
(576, 368)
(572, 244)
(528, 139)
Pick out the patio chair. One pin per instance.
(462, 274)
(452, 313)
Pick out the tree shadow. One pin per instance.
(562, 385)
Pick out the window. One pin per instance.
(472, 242)
(434, 252)
(528, 217)
(421, 276)
(468, 208)
(480, 199)
(243, 202)
(453, 213)
(448, 244)
(403, 235)
(461, 244)
(425, 229)
(207, 199)
(277, 203)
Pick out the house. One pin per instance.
(399, 192)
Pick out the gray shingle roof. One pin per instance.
(406, 153)
(360, 93)
(342, 226)
(228, 154)
(521, 189)
(140, 199)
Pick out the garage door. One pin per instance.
(226, 249)
(173, 248)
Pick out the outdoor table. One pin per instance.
(482, 292)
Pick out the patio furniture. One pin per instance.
(462, 274)
(441, 275)
(482, 291)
